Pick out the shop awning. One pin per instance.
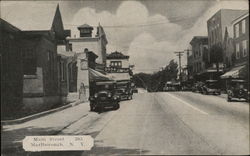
(97, 76)
(233, 73)
(119, 76)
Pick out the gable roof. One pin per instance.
(117, 55)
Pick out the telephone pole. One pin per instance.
(188, 74)
(179, 54)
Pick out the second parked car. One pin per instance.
(211, 87)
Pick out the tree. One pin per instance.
(157, 81)
(216, 55)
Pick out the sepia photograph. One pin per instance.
(124, 77)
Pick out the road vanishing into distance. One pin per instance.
(166, 123)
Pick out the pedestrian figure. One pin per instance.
(82, 92)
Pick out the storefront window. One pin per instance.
(237, 51)
(243, 24)
(244, 47)
(236, 30)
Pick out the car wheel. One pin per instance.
(130, 97)
(91, 108)
(117, 106)
(100, 110)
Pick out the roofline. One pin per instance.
(14, 28)
(240, 18)
(197, 38)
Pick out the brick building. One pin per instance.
(240, 60)
(217, 26)
(30, 57)
(11, 69)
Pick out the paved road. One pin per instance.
(167, 123)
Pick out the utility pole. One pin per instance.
(188, 74)
(179, 54)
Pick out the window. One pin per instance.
(236, 30)
(244, 48)
(116, 64)
(243, 26)
(237, 51)
(29, 61)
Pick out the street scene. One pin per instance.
(138, 77)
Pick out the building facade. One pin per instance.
(216, 27)
(241, 39)
(117, 66)
(35, 66)
(240, 57)
(96, 44)
(11, 69)
(198, 60)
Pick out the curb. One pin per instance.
(34, 116)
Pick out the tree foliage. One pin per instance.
(156, 81)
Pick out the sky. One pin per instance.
(149, 31)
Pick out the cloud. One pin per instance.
(149, 39)
(133, 31)
(150, 55)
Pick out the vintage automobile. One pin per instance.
(103, 95)
(135, 90)
(186, 86)
(124, 90)
(169, 86)
(211, 87)
(237, 90)
(123, 93)
(197, 87)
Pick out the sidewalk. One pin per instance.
(51, 124)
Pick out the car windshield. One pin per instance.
(212, 85)
(120, 90)
(105, 87)
(239, 85)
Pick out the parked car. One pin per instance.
(103, 95)
(211, 87)
(198, 87)
(135, 90)
(237, 90)
(168, 86)
(124, 90)
(123, 93)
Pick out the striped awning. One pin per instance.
(233, 73)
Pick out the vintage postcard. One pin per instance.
(124, 77)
